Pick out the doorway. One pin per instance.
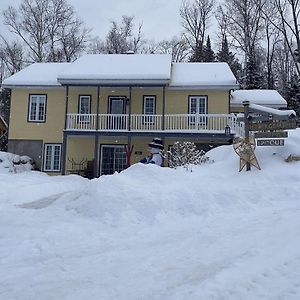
(117, 118)
(112, 159)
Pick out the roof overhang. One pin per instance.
(204, 87)
(30, 86)
(114, 82)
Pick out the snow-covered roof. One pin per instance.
(126, 69)
(203, 75)
(270, 98)
(118, 68)
(37, 74)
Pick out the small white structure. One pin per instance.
(268, 98)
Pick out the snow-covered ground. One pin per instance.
(155, 233)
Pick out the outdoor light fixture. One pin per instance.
(127, 101)
(227, 130)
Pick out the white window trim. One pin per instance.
(148, 119)
(80, 99)
(52, 158)
(39, 96)
(153, 98)
(197, 118)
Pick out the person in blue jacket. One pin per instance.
(156, 153)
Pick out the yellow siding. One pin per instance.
(80, 148)
(177, 101)
(51, 130)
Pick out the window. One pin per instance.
(37, 108)
(84, 107)
(149, 108)
(52, 154)
(197, 106)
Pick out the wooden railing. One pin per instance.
(144, 123)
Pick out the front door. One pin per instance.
(116, 119)
(197, 107)
(113, 158)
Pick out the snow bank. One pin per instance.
(155, 233)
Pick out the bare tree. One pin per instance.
(288, 12)
(177, 47)
(273, 40)
(244, 24)
(195, 17)
(50, 29)
(121, 39)
(11, 56)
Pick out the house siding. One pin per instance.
(83, 147)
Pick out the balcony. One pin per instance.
(181, 123)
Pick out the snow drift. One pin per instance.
(155, 233)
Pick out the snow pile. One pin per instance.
(155, 233)
(15, 163)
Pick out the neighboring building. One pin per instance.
(81, 115)
(268, 98)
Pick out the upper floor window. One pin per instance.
(37, 108)
(149, 104)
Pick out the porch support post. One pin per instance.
(65, 137)
(96, 154)
(163, 108)
(129, 109)
(67, 106)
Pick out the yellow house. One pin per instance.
(85, 117)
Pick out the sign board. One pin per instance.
(275, 142)
(279, 125)
(271, 134)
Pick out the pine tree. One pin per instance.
(293, 95)
(208, 53)
(253, 79)
(225, 55)
(197, 54)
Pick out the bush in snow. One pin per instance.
(186, 155)
(21, 164)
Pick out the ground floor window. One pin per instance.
(112, 159)
(52, 157)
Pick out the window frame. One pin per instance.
(146, 117)
(46, 145)
(82, 117)
(37, 110)
(194, 120)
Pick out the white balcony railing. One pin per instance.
(144, 123)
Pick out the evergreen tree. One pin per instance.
(293, 95)
(197, 54)
(208, 53)
(253, 79)
(225, 55)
